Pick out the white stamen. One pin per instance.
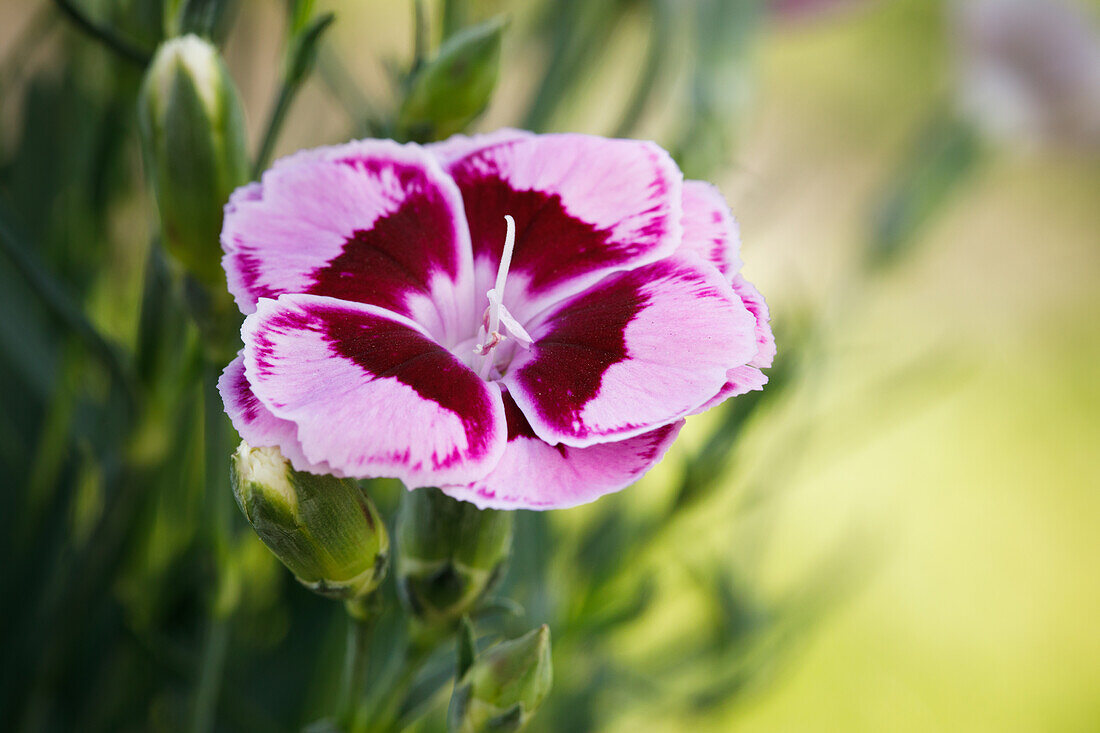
(496, 295)
(489, 335)
(514, 329)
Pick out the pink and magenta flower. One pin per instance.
(522, 320)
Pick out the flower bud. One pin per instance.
(454, 87)
(504, 687)
(193, 134)
(449, 554)
(324, 529)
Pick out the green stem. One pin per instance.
(218, 525)
(580, 36)
(210, 673)
(274, 125)
(298, 61)
(124, 48)
(433, 701)
(344, 89)
(384, 717)
(356, 659)
(359, 107)
(660, 37)
(420, 35)
(454, 17)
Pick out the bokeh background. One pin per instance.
(926, 487)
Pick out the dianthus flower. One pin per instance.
(521, 320)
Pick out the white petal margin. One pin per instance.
(255, 423)
(371, 392)
(535, 475)
(710, 230)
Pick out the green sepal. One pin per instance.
(450, 554)
(326, 530)
(451, 90)
(510, 721)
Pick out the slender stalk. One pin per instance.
(217, 491)
(105, 35)
(297, 63)
(358, 106)
(580, 36)
(434, 700)
(274, 126)
(454, 17)
(385, 718)
(420, 35)
(356, 659)
(210, 673)
(660, 37)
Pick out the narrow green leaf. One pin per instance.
(467, 648)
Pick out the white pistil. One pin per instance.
(490, 333)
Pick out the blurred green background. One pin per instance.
(934, 467)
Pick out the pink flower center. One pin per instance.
(497, 324)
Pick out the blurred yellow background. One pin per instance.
(978, 478)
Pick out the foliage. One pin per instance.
(133, 595)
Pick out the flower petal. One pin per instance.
(709, 228)
(638, 350)
(533, 474)
(457, 147)
(370, 221)
(584, 206)
(739, 380)
(754, 301)
(371, 392)
(255, 423)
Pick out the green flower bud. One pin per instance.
(324, 529)
(454, 87)
(193, 133)
(504, 687)
(450, 554)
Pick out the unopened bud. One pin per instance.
(324, 529)
(504, 687)
(455, 87)
(450, 554)
(193, 132)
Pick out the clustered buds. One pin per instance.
(324, 529)
(450, 554)
(193, 132)
(504, 687)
